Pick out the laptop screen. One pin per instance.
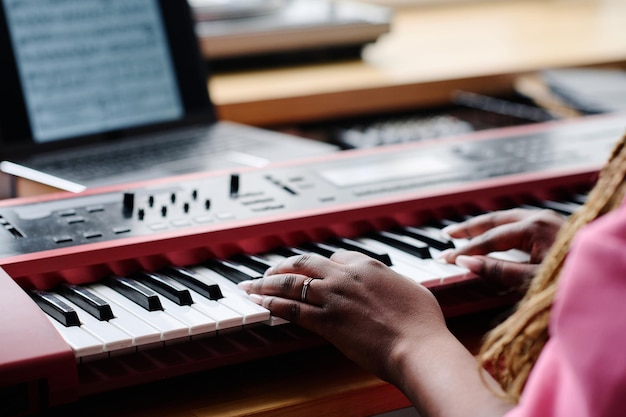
(85, 68)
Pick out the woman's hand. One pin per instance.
(357, 303)
(386, 323)
(531, 231)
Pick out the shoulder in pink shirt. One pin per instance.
(582, 370)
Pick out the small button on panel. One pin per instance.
(63, 239)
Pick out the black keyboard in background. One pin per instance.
(401, 130)
(470, 112)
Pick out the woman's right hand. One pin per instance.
(529, 230)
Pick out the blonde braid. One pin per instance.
(512, 348)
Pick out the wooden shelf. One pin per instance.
(429, 53)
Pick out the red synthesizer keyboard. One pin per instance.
(125, 285)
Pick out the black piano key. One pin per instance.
(88, 301)
(404, 243)
(356, 246)
(323, 249)
(563, 207)
(136, 292)
(537, 206)
(206, 287)
(235, 273)
(448, 221)
(431, 238)
(55, 308)
(254, 262)
(166, 286)
(444, 223)
(579, 198)
(290, 251)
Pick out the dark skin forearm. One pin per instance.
(441, 378)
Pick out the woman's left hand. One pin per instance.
(360, 305)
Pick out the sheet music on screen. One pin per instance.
(88, 66)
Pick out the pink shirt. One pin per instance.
(582, 370)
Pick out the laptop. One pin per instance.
(99, 92)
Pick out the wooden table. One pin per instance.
(431, 51)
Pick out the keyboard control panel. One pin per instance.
(351, 177)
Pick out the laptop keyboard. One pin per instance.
(126, 157)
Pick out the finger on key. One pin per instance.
(310, 264)
(480, 224)
(500, 238)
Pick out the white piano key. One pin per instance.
(197, 322)
(399, 266)
(413, 267)
(238, 312)
(430, 235)
(448, 272)
(82, 343)
(416, 274)
(271, 258)
(112, 338)
(251, 312)
(277, 321)
(225, 317)
(512, 255)
(398, 255)
(458, 242)
(235, 298)
(443, 271)
(168, 326)
(223, 310)
(416, 268)
(142, 333)
(403, 263)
